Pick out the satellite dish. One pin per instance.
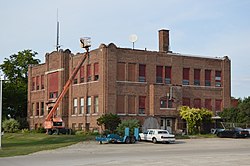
(133, 38)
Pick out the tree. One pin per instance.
(15, 69)
(110, 121)
(195, 118)
(240, 114)
(131, 124)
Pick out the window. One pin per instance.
(81, 105)
(131, 72)
(120, 104)
(207, 77)
(185, 76)
(208, 104)
(96, 71)
(88, 72)
(120, 71)
(186, 102)
(74, 111)
(142, 73)
(89, 105)
(218, 78)
(33, 83)
(37, 82)
(76, 78)
(131, 104)
(159, 73)
(142, 104)
(32, 109)
(53, 95)
(96, 104)
(82, 74)
(37, 109)
(197, 103)
(166, 103)
(218, 105)
(80, 126)
(197, 76)
(168, 70)
(74, 126)
(42, 109)
(42, 81)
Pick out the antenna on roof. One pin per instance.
(133, 38)
(57, 33)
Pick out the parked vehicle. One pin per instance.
(235, 132)
(115, 138)
(157, 135)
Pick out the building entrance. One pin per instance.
(166, 124)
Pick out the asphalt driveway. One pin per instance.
(195, 152)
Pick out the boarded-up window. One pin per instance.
(207, 77)
(37, 82)
(76, 78)
(33, 83)
(197, 76)
(96, 71)
(131, 72)
(42, 109)
(168, 74)
(218, 105)
(142, 73)
(42, 81)
(82, 74)
(159, 74)
(218, 78)
(131, 104)
(185, 76)
(89, 73)
(53, 84)
(142, 104)
(37, 109)
(120, 104)
(197, 103)
(120, 71)
(186, 101)
(208, 104)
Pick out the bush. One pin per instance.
(131, 123)
(25, 131)
(11, 125)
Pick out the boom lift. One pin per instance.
(54, 124)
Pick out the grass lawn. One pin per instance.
(14, 144)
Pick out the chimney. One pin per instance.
(163, 40)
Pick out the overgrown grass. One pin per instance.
(14, 144)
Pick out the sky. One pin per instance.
(213, 28)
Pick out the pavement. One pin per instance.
(186, 152)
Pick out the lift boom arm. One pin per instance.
(66, 87)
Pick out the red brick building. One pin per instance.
(147, 85)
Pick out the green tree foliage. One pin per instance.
(131, 123)
(195, 118)
(11, 125)
(240, 114)
(15, 69)
(109, 121)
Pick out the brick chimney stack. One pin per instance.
(163, 40)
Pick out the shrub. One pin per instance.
(131, 123)
(25, 131)
(11, 125)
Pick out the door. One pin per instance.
(166, 124)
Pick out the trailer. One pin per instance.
(115, 138)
